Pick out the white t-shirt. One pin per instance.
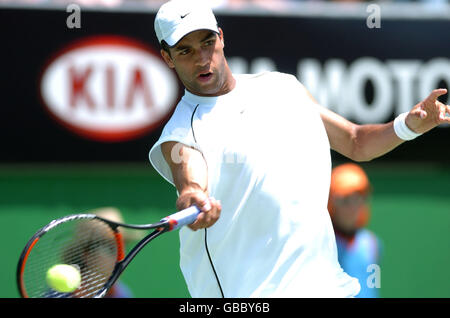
(269, 164)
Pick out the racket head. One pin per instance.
(91, 244)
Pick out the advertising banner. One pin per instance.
(94, 87)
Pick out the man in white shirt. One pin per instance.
(253, 153)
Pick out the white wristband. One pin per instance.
(403, 131)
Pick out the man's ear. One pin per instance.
(167, 58)
(221, 36)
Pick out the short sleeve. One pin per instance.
(177, 129)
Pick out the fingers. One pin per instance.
(210, 208)
(209, 215)
(192, 197)
(420, 112)
(444, 110)
(433, 107)
(437, 92)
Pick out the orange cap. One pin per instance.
(347, 179)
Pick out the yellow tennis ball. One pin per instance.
(63, 278)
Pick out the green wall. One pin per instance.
(411, 214)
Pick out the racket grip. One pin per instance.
(182, 218)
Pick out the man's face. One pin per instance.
(199, 61)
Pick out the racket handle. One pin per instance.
(182, 218)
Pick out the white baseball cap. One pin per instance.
(177, 18)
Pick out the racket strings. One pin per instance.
(88, 244)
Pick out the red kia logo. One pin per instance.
(109, 88)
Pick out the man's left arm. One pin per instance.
(366, 142)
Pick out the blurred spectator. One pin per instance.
(96, 258)
(119, 289)
(358, 247)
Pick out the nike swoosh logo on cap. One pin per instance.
(184, 16)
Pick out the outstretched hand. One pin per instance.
(429, 113)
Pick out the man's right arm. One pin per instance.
(190, 176)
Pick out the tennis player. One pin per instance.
(253, 152)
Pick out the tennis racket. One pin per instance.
(92, 244)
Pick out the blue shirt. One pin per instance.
(356, 256)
